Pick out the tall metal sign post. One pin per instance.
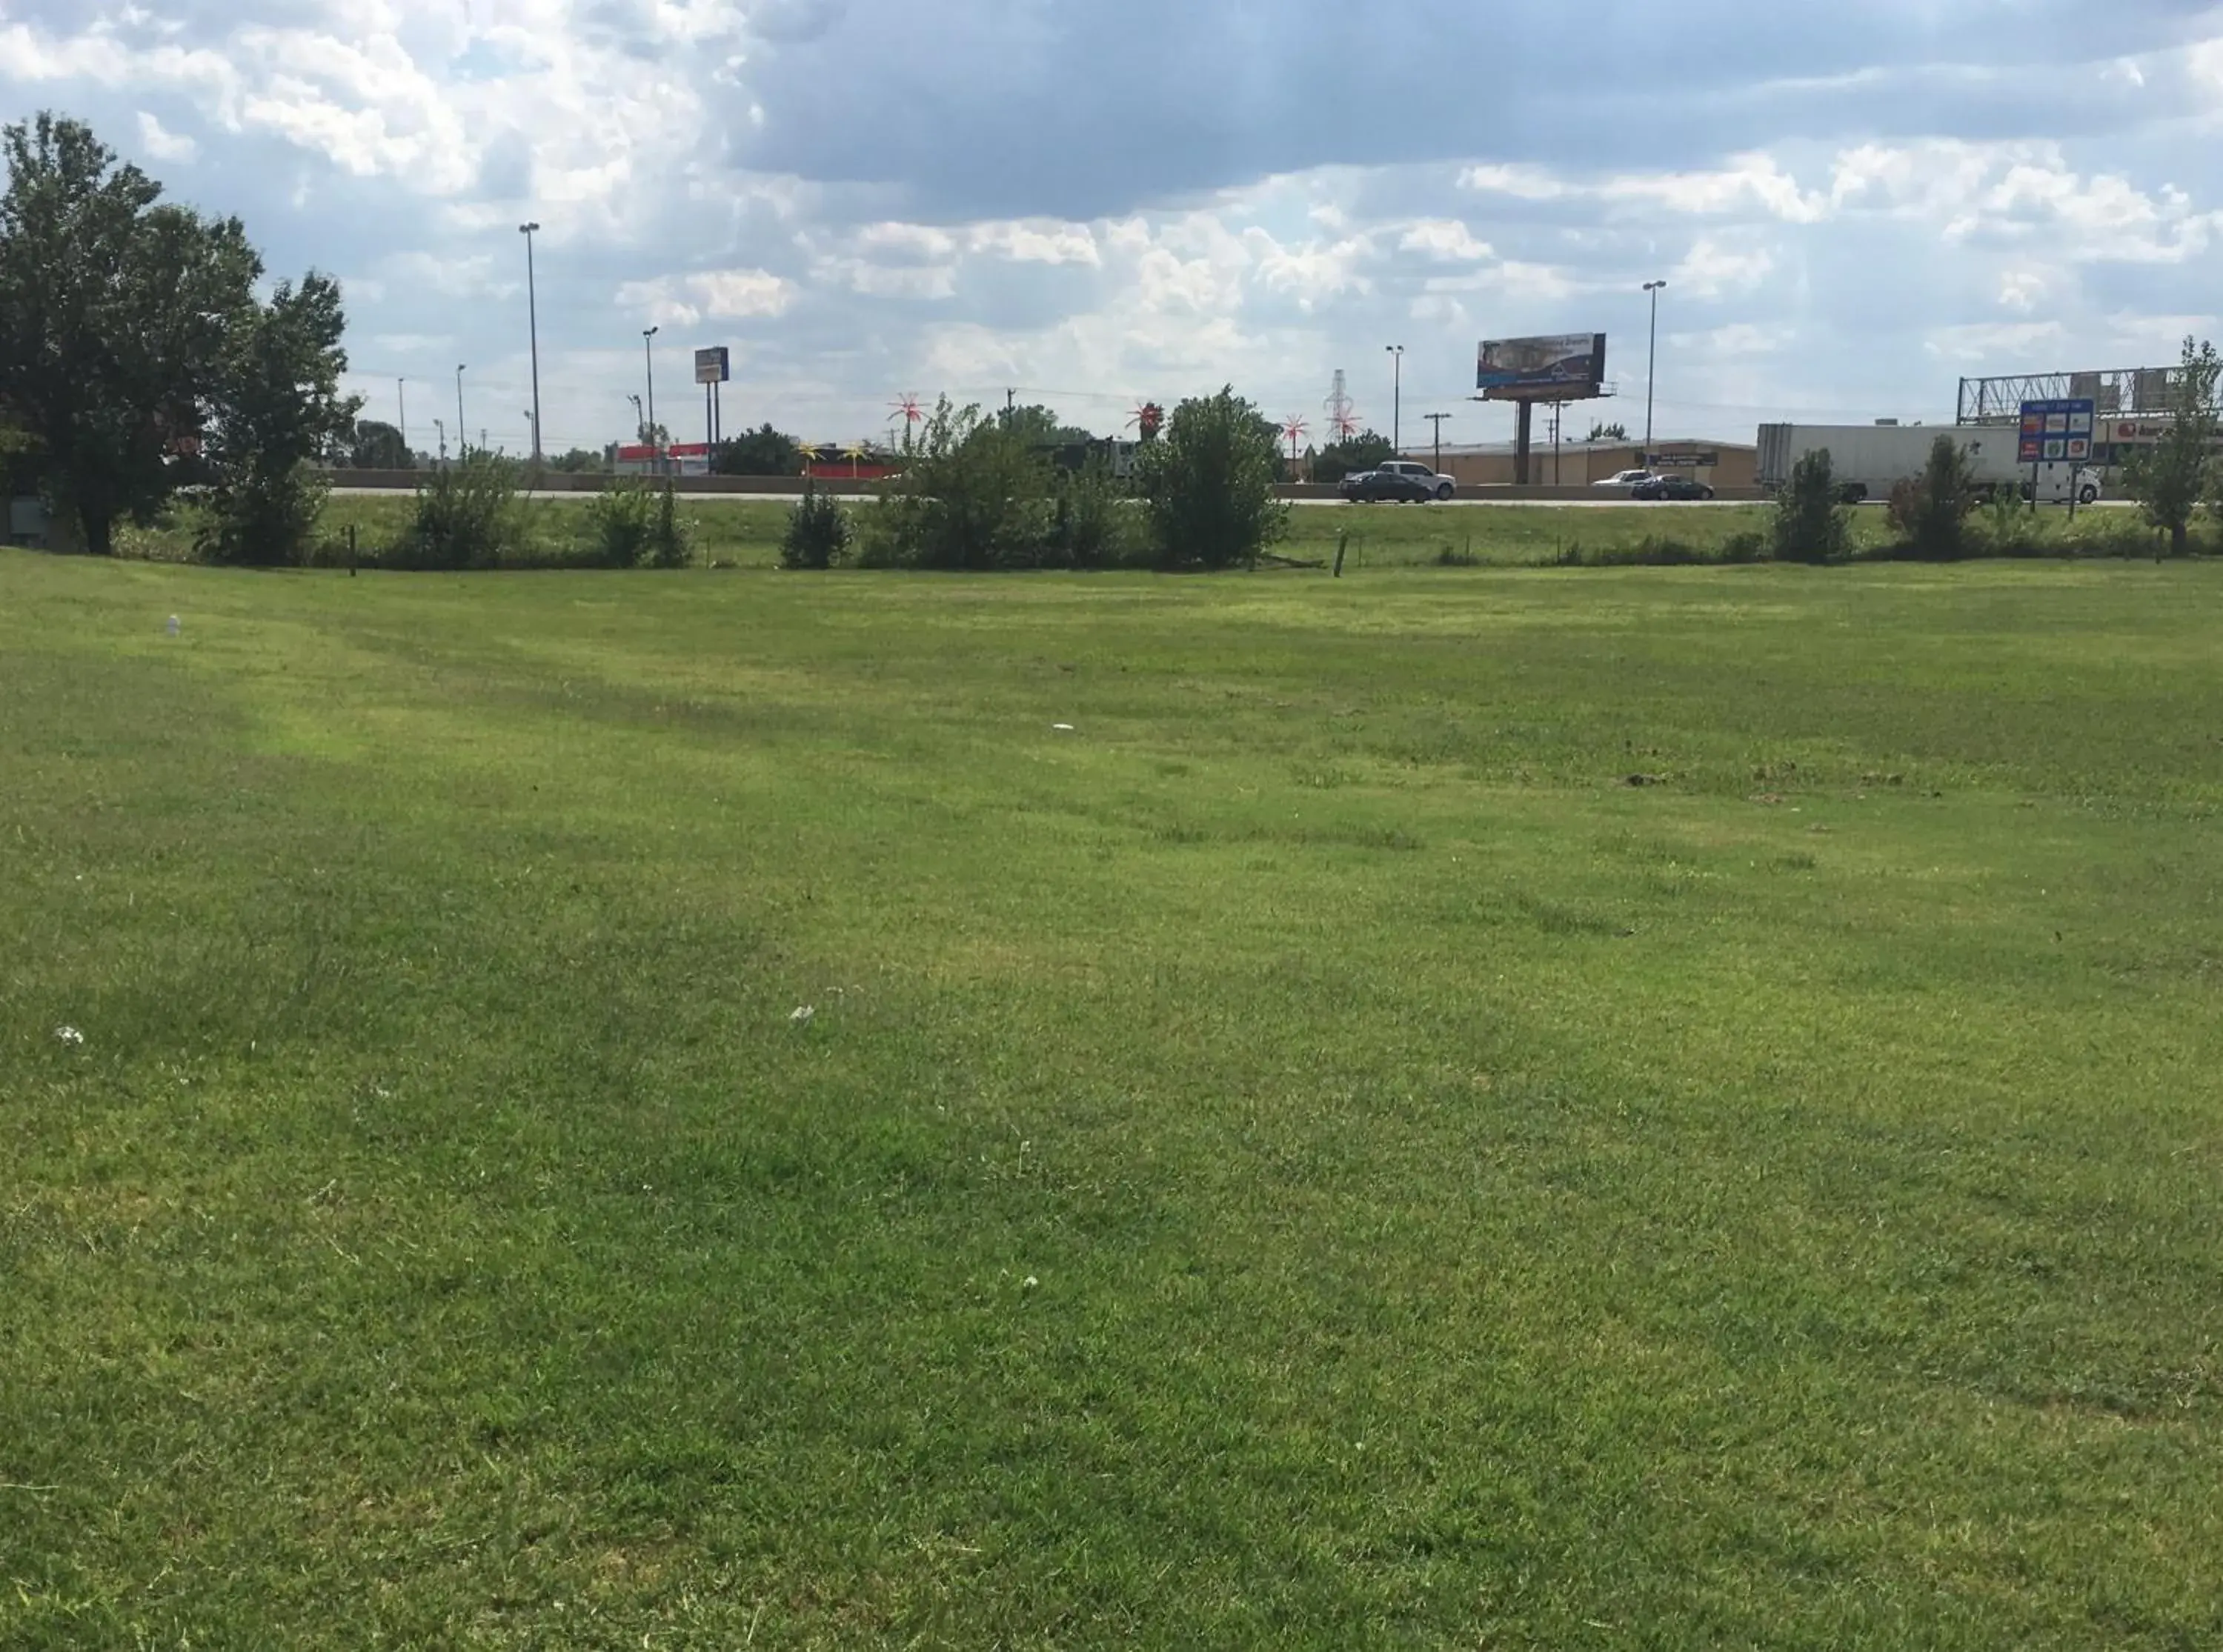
(713, 368)
(2057, 432)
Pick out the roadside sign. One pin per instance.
(2057, 431)
(712, 366)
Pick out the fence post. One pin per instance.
(351, 551)
(1342, 539)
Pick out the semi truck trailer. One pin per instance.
(1868, 461)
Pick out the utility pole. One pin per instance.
(655, 447)
(463, 434)
(1396, 398)
(532, 323)
(1652, 367)
(1436, 419)
(441, 425)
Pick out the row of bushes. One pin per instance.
(1942, 516)
(975, 495)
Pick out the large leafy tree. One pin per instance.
(1354, 453)
(2172, 477)
(377, 445)
(764, 452)
(131, 343)
(1210, 484)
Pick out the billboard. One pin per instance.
(2053, 431)
(712, 366)
(1567, 367)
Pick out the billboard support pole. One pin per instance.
(1523, 427)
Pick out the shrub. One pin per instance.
(621, 520)
(1210, 483)
(817, 531)
(1810, 524)
(972, 495)
(1930, 512)
(669, 542)
(1094, 524)
(262, 516)
(467, 516)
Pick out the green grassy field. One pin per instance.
(1312, 1157)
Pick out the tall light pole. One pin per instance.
(462, 432)
(402, 395)
(655, 447)
(1652, 367)
(533, 323)
(1396, 397)
(533, 419)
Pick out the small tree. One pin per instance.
(621, 522)
(972, 495)
(1811, 523)
(1931, 511)
(818, 534)
(2171, 478)
(1210, 484)
(1613, 432)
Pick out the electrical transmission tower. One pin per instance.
(1342, 413)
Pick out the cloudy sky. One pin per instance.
(1853, 204)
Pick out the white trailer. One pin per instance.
(1869, 460)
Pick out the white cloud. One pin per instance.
(1710, 269)
(162, 145)
(1038, 242)
(1445, 239)
(1522, 183)
(731, 294)
(1991, 342)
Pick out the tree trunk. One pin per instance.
(99, 533)
(2178, 538)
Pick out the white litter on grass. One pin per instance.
(174, 627)
(1061, 728)
(69, 1035)
(1029, 1283)
(803, 1014)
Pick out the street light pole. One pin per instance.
(463, 431)
(655, 447)
(401, 394)
(1396, 397)
(1651, 367)
(533, 323)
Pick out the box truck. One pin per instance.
(1869, 460)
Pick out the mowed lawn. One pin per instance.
(1311, 1157)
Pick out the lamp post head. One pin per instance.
(650, 332)
(526, 229)
(1655, 286)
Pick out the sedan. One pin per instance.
(1683, 488)
(1624, 479)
